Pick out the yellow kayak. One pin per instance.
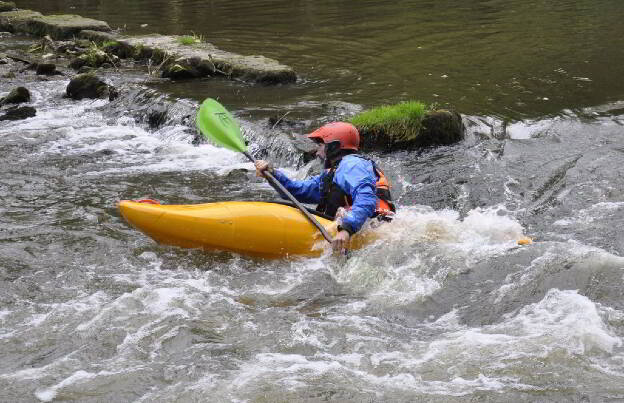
(261, 229)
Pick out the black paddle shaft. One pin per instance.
(278, 186)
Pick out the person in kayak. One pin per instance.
(351, 187)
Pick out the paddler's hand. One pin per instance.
(340, 214)
(341, 241)
(263, 166)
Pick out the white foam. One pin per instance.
(589, 259)
(571, 319)
(3, 313)
(527, 129)
(81, 129)
(47, 395)
(563, 322)
(598, 211)
(397, 269)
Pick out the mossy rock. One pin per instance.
(57, 26)
(16, 96)
(6, 6)
(93, 58)
(17, 20)
(407, 125)
(89, 86)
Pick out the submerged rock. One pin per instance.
(19, 113)
(90, 86)
(6, 6)
(156, 116)
(16, 96)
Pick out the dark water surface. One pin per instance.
(507, 58)
(446, 307)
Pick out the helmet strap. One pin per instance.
(332, 150)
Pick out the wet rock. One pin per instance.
(17, 20)
(90, 86)
(19, 113)
(113, 93)
(156, 116)
(93, 57)
(288, 124)
(97, 36)
(185, 70)
(306, 147)
(441, 127)
(16, 96)
(6, 6)
(173, 58)
(69, 47)
(204, 59)
(85, 70)
(47, 69)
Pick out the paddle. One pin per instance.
(218, 125)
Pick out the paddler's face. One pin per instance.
(320, 151)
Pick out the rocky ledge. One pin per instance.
(173, 56)
(7, 6)
(197, 59)
(56, 26)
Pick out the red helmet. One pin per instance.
(345, 133)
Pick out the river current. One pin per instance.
(445, 308)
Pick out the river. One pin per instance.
(446, 308)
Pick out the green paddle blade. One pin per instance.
(217, 125)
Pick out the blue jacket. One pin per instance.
(354, 175)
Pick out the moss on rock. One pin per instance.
(57, 26)
(171, 56)
(88, 85)
(16, 96)
(407, 125)
(17, 20)
(6, 6)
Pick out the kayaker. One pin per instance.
(351, 185)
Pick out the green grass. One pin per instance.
(402, 120)
(189, 39)
(108, 44)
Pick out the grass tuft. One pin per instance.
(402, 121)
(190, 39)
(109, 44)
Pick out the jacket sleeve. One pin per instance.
(306, 191)
(358, 180)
